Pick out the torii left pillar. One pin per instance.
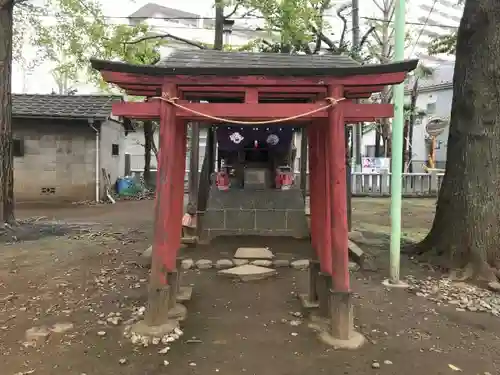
(163, 312)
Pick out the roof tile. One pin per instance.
(63, 106)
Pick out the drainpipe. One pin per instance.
(97, 161)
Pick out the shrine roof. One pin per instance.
(218, 63)
(63, 106)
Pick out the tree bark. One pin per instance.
(6, 159)
(465, 229)
(148, 147)
(378, 152)
(413, 116)
(406, 129)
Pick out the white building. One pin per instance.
(434, 99)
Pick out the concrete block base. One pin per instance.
(322, 327)
(306, 303)
(178, 312)
(184, 294)
(355, 341)
(143, 329)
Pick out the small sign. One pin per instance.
(436, 125)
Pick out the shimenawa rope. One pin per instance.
(172, 100)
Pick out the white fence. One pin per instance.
(378, 184)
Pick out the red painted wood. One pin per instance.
(177, 209)
(312, 136)
(338, 190)
(321, 194)
(355, 80)
(252, 95)
(240, 96)
(138, 110)
(282, 110)
(162, 249)
(353, 112)
(260, 89)
(325, 223)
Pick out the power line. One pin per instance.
(446, 26)
(423, 26)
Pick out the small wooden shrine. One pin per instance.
(319, 92)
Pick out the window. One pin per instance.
(18, 147)
(115, 149)
(431, 108)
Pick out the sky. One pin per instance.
(426, 12)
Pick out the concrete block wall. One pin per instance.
(58, 162)
(255, 212)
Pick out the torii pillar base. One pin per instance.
(337, 330)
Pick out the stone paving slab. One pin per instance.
(253, 253)
(248, 272)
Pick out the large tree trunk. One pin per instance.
(465, 232)
(6, 160)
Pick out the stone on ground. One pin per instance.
(254, 253)
(240, 262)
(248, 272)
(37, 335)
(61, 327)
(223, 264)
(204, 264)
(262, 263)
(301, 264)
(148, 252)
(187, 264)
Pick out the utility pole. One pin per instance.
(358, 128)
(397, 149)
(219, 25)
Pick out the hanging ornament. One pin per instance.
(236, 138)
(272, 139)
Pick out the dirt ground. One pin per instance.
(80, 273)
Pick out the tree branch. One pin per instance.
(163, 36)
(378, 5)
(235, 9)
(344, 21)
(365, 37)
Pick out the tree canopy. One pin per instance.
(70, 32)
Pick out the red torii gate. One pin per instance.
(253, 80)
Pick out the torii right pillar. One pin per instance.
(341, 333)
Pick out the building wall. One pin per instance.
(112, 133)
(134, 146)
(58, 162)
(435, 104)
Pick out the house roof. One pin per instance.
(150, 9)
(63, 106)
(211, 62)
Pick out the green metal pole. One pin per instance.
(397, 147)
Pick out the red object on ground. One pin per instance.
(284, 179)
(222, 181)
